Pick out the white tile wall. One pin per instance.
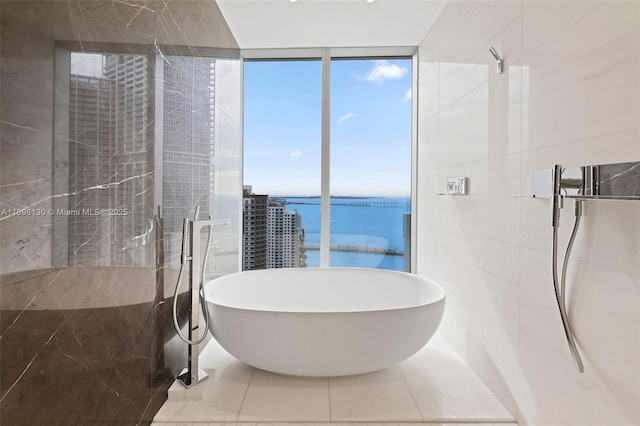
(570, 94)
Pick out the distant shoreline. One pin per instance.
(347, 197)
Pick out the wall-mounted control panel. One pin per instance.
(457, 186)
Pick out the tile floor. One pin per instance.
(434, 386)
(333, 424)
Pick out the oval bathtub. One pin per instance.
(323, 321)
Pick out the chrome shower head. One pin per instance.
(493, 52)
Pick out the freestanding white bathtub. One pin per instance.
(323, 321)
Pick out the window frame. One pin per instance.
(326, 55)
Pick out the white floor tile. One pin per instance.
(379, 396)
(236, 424)
(222, 396)
(434, 386)
(445, 388)
(332, 424)
(275, 397)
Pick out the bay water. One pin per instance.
(359, 225)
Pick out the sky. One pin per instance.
(370, 127)
(89, 64)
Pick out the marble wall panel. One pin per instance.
(77, 348)
(87, 344)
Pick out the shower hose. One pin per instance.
(202, 296)
(560, 289)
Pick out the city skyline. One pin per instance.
(272, 235)
(370, 127)
(108, 113)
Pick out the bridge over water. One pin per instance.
(357, 248)
(377, 204)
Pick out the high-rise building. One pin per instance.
(284, 234)
(90, 165)
(131, 184)
(272, 235)
(254, 230)
(108, 147)
(188, 145)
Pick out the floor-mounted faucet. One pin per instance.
(191, 249)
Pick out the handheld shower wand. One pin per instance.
(559, 288)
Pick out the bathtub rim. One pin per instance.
(440, 292)
(318, 313)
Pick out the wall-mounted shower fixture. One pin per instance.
(499, 65)
(619, 181)
(191, 247)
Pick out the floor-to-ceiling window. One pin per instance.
(327, 162)
(370, 161)
(281, 204)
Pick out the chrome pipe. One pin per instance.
(558, 289)
(498, 58)
(567, 253)
(560, 300)
(556, 197)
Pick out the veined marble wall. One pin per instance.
(570, 95)
(78, 346)
(26, 160)
(93, 343)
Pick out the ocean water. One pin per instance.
(365, 222)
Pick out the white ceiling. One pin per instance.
(329, 23)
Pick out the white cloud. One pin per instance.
(407, 96)
(404, 148)
(346, 117)
(382, 71)
(295, 153)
